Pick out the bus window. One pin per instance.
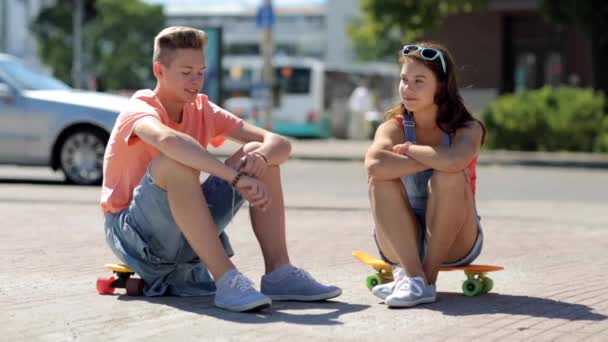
(237, 81)
(293, 80)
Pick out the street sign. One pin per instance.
(265, 17)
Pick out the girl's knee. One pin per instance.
(375, 184)
(440, 179)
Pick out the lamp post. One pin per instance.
(265, 20)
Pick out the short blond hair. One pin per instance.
(172, 38)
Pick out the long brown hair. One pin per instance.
(452, 114)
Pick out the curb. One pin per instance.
(484, 159)
(344, 151)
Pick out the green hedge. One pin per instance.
(548, 119)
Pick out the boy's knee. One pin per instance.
(251, 146)
(164, 168)
(233, 161)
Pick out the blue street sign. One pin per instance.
(265, 17)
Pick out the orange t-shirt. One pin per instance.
(127, 157)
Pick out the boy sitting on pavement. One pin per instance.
(167, 226)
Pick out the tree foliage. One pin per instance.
(385, 25)
(118, 41)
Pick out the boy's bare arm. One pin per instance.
(182, 148)
(384, 164)
(275, 148)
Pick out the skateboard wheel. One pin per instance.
(104, 285)
(135, 287)
(372, 281)
(471, 287)
(488, 284)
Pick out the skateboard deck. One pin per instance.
(124, 279)
(476, 283)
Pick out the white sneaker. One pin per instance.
(384, 290)
(411, 292)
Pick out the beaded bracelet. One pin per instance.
(236, 179)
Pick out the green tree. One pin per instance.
(591, 18)
(387, 24)
(118, 41)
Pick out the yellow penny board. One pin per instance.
(476, 283)
(107, 285)
(119, 268)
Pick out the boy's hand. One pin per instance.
(252, 164)
(254, 191)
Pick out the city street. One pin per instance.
(546, 226)
(81, 82)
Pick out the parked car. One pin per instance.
(45, 122)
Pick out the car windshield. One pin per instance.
(29, 78)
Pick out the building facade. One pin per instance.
(511, 47)
(297, 31)
(15, 34)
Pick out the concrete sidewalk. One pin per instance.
(554, 286)
(354, 150)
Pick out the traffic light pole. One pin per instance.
(3, 25)
(267, 70)
(77, 20)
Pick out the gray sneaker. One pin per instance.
(384, 290)
(291, 283)
(411, 292)
(235, 292)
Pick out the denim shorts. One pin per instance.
(421, 220)
(146, 238)
(416, 189)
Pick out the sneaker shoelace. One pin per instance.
(410, 285)
(300, 273)
(398, 274)
(241, 283)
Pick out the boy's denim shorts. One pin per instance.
(146, 238)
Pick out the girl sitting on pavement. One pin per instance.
(421, 169)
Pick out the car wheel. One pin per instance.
(81, 156)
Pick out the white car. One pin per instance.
(46, 123)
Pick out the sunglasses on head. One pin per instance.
(427, 53)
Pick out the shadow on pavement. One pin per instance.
(322, 313)
(456, 304)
